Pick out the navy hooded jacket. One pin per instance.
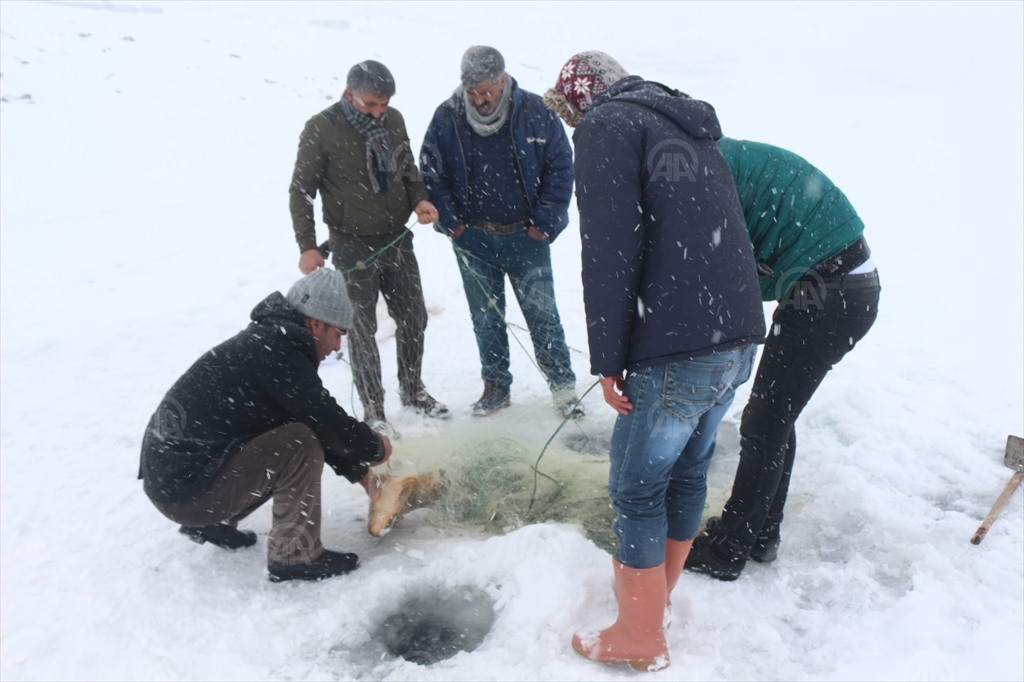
(542, 151)
(668, 269)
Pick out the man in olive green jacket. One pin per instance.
(356, 153)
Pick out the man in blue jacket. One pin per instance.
(498, 166)
(673, 316)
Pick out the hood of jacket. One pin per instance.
(276, 311)
(698, 119)
(276, 308)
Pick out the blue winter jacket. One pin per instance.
(542, 151)
(668, 269)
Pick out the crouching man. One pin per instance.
(251, 421)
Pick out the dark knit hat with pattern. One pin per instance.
(585, 76)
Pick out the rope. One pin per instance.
(536, 471)
(361, 265)
(493, 303)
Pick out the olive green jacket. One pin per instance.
(332, 160)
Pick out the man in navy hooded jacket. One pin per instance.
(673, 315)
(498, 166)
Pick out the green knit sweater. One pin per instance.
(795, 216)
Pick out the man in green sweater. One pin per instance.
(356, 153)
(812, 258)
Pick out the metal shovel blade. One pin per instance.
(1014, 457)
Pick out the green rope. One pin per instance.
(493, 303)
(361, 265)
(536, 471)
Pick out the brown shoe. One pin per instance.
(494, 398)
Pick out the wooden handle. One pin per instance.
(979, 535)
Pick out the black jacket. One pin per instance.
(668, 270)
(262, 378)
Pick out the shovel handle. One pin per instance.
(979, 535)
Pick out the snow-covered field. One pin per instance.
(146, 155)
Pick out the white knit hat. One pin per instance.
(321, 295)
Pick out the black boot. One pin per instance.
(766, 547)
(327, 565)
(702, 559)
(494, 398)
(220, 535)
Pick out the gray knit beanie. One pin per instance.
(321, 295)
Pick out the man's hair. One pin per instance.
(370, 76)
(480, 64)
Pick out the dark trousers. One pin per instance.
(284, 464)
(813, 327)
(527, 262)
(395, 274)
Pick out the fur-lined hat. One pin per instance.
(585, 76)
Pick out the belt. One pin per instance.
(846, 260)
(865, 280)
(499, 228)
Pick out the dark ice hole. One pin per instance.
(427, 628)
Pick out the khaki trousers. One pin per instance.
(285, 463)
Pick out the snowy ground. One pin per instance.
(146, 153)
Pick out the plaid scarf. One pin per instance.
(379, 161)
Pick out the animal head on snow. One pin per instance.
(585, 76)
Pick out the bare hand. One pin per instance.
(612, 387)
(457, 232)
(425, 212)
(536, 234)
(387, 449)
(310, 260)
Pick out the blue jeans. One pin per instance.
(661, 450)
(527, 262)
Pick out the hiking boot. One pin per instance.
(766, 547)
(702, 559)
(494, 398)
(221, 535)
(765, 550)
(425, 404)
(327, 565)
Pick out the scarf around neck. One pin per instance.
(485, 126)
(379, 161)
